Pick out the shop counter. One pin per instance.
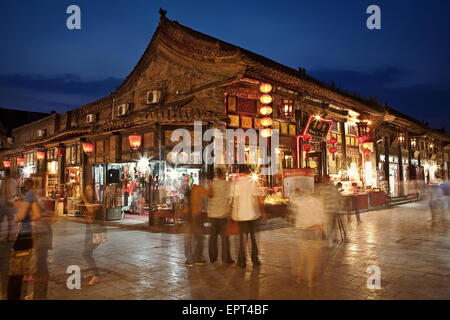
(377, 198)
(50, 204)
(276, 210)
(356, 202)
(155, 215)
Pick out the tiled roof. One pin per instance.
(11, 118)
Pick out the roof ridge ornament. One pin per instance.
(162, 13)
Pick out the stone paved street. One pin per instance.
(413, 256)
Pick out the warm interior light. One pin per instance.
(254, 177)
(143, 165)
(265, 87)
(265, 98)
(7, 163)
(317, 117)
(265, 110)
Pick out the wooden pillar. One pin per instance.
(324, 163)
(114, 147)
(300, 153)
(344, 146)
(410, 167)
(400, 170)
(386, 165)
(377, 158)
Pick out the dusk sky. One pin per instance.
(44, 66)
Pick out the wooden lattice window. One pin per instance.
(246, 105)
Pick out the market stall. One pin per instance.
(72, 190)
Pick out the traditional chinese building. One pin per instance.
(122, 143)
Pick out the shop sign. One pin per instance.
(318, 126)
(301, 179)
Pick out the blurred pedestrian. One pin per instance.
(43, 239)
(354, 205)
(218, 214)
(246, 211)
(437, 202)
(193, 240)
(21, 261)
(8, 192)
(95, 233)
(332, 203)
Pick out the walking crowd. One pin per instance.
(232, 208)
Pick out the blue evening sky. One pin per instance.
(44, 66)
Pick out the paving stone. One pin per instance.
(412, 254)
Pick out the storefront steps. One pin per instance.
(395, 201)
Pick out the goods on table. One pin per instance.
(275, 199)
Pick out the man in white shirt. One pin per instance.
(246, 212)
(218, 214)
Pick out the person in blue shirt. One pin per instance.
(19, 267)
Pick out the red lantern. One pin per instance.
(7, 163)
(40, 155)
(333, 150)
(363, 139)
(266, 122)
(60, 151)
(307, 147)
(366, 151)
(88, 147)
(265, 110)
(265, 87)
(307, 137)
(333, 141)
(265, 98)
(20, 162)
(267, 132)
(135, 141)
